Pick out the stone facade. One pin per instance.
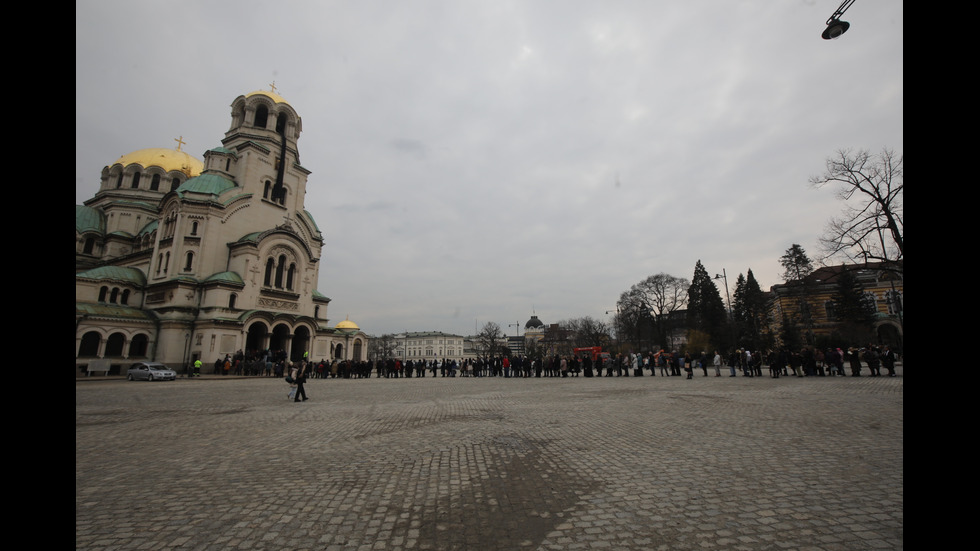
(178, 259)
(883, 286)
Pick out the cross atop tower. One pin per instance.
(273, 87)
(180, 141)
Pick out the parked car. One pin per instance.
(150, 371)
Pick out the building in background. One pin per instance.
(883, 288)
(430, 345)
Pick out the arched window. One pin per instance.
(114, 297)
(125, 297)
(227, 165)
(232, 300)
(281, 121)
(194, 228)
(119, 180)
(270, 267)
(136, 180)
(280, 270)
(90, 345)
(289, 276)
(103, 293)
(872, 300)
(174, 184)
(155, 183)
(89, 246)
(166, 262)
(188, 261)
(894, 300)
(114, 345)
(138, 346)
(261, 116)
(275, 193)
(830, 308)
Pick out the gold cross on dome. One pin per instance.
(180, 141)
(273, 86)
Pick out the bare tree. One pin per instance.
(588, 331)
(557, 339)
(488, 339)
(634, 322)
(871, 228)
(384, 347)
(661, 295)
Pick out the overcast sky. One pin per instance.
(477, 161)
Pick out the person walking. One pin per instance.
(300, 379)
(717, 364)
(887, 358)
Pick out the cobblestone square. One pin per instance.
(621, 463)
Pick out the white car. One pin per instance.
(150, 371)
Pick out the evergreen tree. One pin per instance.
(797, 267)
(705, 309)
(740, 313)
(853, 309)
(850, 301)
(756, 312)
(796, 264)
(750, 312)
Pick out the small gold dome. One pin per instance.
(167, 159)
(347, 324)
(271, 95)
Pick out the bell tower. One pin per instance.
(263, 140)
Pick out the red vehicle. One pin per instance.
(594, 352)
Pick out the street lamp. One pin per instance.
(724, 275)
(836, 27)
(731, 315)
(517, 341)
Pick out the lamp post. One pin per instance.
(724, 275)
(836, 27)
(615, 339)
(518, 343)
(731, 315)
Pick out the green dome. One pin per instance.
(115, 273)
(88, 219)
(211, 184)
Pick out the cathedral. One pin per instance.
(178, 260)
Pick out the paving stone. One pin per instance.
(491, 464)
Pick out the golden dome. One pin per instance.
(347, 324)
(271, 95)
(167, 159)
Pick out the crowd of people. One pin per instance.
(807, 362)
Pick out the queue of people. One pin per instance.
(807, 362)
